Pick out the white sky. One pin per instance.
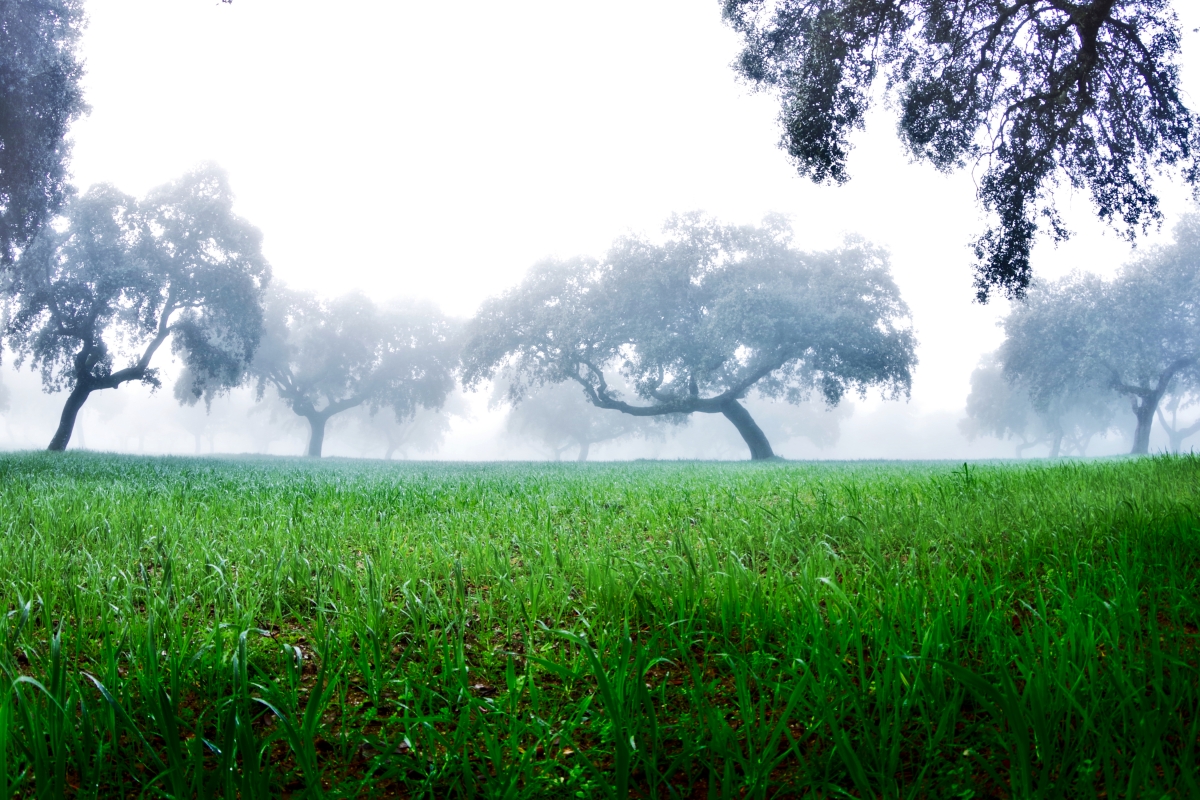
(439, 149)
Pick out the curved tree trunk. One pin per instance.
(756, 440)
(584, 445)
(66, 423)
(1144, 412)
(316, 433)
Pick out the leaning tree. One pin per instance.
(123, 276)
(40, 96)
(1037, 94)
(326, 357)
(695, 323)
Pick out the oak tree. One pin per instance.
(123, 276)
(324, 357)
(695, 323)
(1137, 336)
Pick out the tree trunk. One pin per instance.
(756, 440)
(66, 423)
(1056, 444)
(1144, 411)
(316, 435)
(583, 450)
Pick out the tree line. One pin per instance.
(692, 322)
(688, 325)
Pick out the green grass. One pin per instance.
(225, 628)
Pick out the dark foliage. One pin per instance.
(1039, 93)
(40, 97)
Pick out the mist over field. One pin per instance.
(134, 420)
(576, 157)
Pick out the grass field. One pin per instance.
(257, 628)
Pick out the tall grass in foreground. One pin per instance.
(210, 628)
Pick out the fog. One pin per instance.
(437, 151)
(134, 419)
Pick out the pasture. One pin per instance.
(265, 627)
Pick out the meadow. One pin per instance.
(263, 628)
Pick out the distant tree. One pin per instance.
(199, 420)
(1149, 334)
(40, 97)
(326, 357)
(1039, 93)
(559, 417)
(423, 432)
(696, 323)
(1137, 336)
(1177, 431)
(1066, 422)
(124, 276)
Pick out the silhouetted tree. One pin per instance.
(325, 357)
(1039, 93)
(125, 276)
(1137, 335)
(40, 97)
(697, 322)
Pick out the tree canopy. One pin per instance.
(40, 97)
(1038, 93)
(696, 322)
(325, 357)
(1137, 336)
(123, 276)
